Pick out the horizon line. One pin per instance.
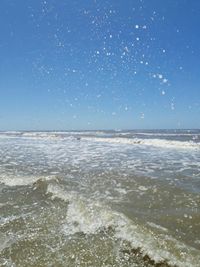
(93, 130)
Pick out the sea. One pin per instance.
(100, 198)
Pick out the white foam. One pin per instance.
(157, 226)
(122, 191)
(166, 134)
(142, 188)
(8, 219)
(89, 217)
(101, 137)
(12, 180)
(147, 142)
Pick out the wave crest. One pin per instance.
(90, 217)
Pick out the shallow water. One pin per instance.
(100, 198)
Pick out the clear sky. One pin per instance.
(97, 64)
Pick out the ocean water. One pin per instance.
(100, 198)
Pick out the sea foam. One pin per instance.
(89, 217)
(147, 142)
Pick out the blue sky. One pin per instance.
(99, 64)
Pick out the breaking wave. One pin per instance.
(90, 217)
(128, 138)
(147, 142)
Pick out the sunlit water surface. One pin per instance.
(100, 198)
